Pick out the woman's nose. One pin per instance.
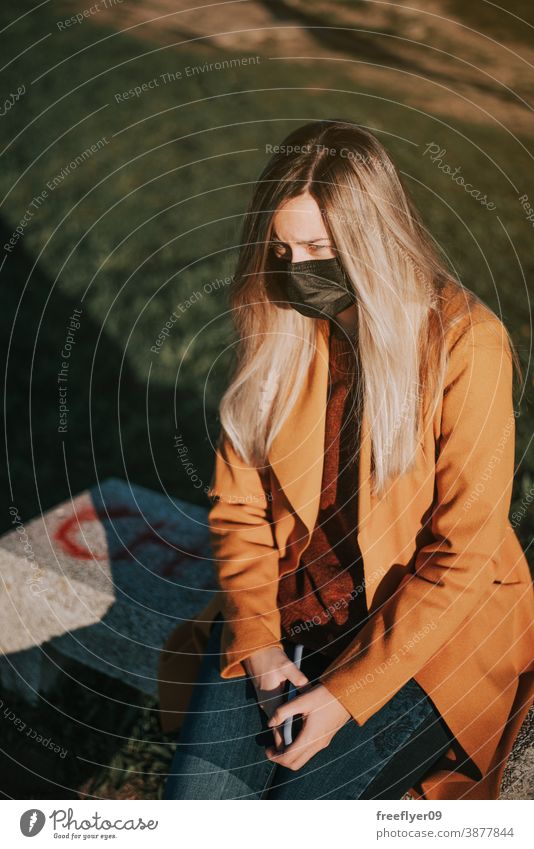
(299, 253)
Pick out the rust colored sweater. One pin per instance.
(322, 603)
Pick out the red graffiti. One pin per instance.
(67, 536)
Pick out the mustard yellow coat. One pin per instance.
(446, 580)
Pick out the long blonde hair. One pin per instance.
(398, 279)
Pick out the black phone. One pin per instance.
(293, 724)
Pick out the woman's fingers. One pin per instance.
(298, 752)
(300, 704)
(269, 700)
(295, 675)
(295, 750)
(269, 709)
(278, 739)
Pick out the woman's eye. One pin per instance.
(278, 251)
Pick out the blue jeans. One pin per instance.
(221, 748)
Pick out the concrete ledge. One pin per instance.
(102, 579)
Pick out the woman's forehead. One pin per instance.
(299, 220)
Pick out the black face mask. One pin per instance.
(317, 288)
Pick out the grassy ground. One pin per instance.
(153, 215)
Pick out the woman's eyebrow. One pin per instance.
(304, 242)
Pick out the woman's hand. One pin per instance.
(323, 716)
(270, 669)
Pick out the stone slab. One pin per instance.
(103, 578)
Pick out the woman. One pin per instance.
(362, 485)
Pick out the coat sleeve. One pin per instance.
(453, 573)
(246, 559)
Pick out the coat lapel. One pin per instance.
(297, 452)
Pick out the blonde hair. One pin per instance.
(398, 280)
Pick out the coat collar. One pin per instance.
(297, 452)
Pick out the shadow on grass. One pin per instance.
(47, 467)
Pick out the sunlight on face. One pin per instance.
(299, 233)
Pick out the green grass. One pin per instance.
(154, 215)
(513, 21)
